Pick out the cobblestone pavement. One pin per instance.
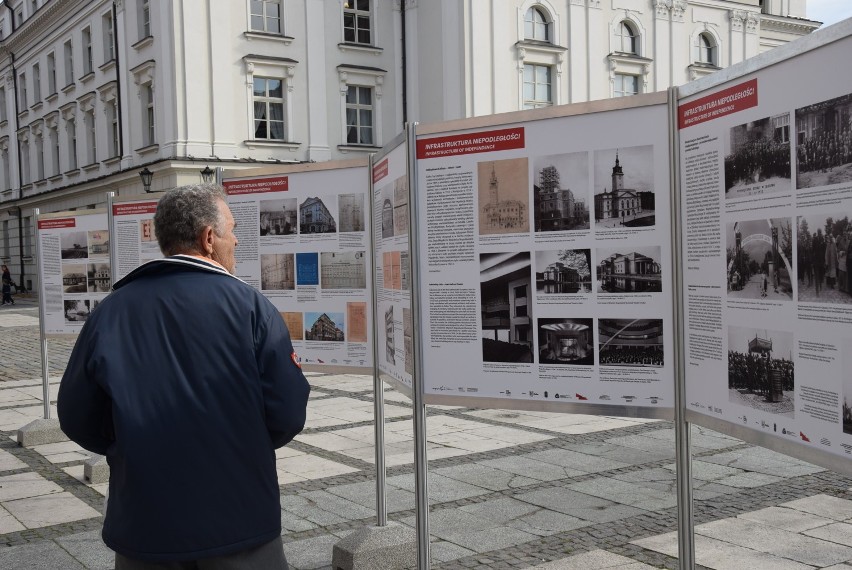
(508, 489)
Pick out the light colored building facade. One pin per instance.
(93, 91)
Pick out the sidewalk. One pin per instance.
(508, 489)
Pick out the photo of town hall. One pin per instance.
(624, 187)
(504, 203)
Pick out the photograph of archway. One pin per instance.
(74, 245)
(824, 257)
(327, 327)
(624, 187)
(566, 341)
(567, 271)
(635, 269)
(560, 192)
(759, 259)
(278, 217)
(757, 157)
(824, 143)
(503, 192)
(760, 370)
(507, 307)
(630, 342)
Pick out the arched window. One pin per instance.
(626, 38)
(536, 25)
(706, 49)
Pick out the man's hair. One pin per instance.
(183, 213)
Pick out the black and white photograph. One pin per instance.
(566, 341)
(624, 187)
(343, 270)
(74, 245)
(277, 217)
(76, 310)
(277, 272)
(757, 157)
(824, 257)
(507, 307)
(759, 259)
(824, 143)
(635, 269)
(630, 342)
(390, 342)
(567, 271)
(561, 192)
(98, 278)
(326, 327)
(98, 241)
(351, 212)
(316, 218)
(503, 191)
(74, 278)
(408, 340)
(846, 382)
(760, 370)
(400, 206)
(386, 205)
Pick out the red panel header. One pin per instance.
(57, 223)
(380, 170)
(486, 141)
(731, 100)
(134, 209)
(256, 185)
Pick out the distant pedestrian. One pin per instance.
(7, 287)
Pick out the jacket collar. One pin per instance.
(161, 265)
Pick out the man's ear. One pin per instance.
(205, 240)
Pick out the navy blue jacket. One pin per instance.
(186, 379)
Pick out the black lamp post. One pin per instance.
(146, 176)
(208, 175)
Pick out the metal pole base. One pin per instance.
(388, 547)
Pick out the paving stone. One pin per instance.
(824, 506)
(46, 510)
(443, 551)
(645, 443)
(9, 462)
(786, 518)
(577, 461)
(626, 455)
(626, 493)
(42, 555)
(22, 485)
(365, 495)
(579, 505)
(441, 489)
(840, 533)
(89, 549)
(310, 553)
(526, 466)
(545, 523)
(593, 560)
(485, 477)
(338, 505)
(500, 511)
(762, 461)
(8, 523)
(705, 471)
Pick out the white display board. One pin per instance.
(74, 268)
(132, 225)
(304, 243)
(546, 260)
(766, 178)
(394, 317)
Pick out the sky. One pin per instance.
(829, 11)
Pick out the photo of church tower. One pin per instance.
(503, 196)
(624, 198)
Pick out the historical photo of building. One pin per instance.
(76, 311)
(325, 326)
(147, 233)
(316, 218)
(295, 324)
(759, 257)
(408, 339)
(628, 269)
(98, 277)
(356, 321)
(624, 187)
(74, 278)
(760, 369)
(757, 157)
(566, 341)
(560, 192)
(350, 209)
(343, 270)
(74, 245)
(387, 211)
(400, 206)
(307, 268)
(390, 342)
(506, 290)
(98, 241)
(824, 143)
(563, 271)
(503, 191)
(277, 272)
(630, 342)
(277, 217)
(404, 270)
(824, 257)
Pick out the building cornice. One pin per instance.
(52, 12)
(799, 26)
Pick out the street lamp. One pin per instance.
(146, 176)
(208, 175)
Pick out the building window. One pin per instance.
(266, 16)
(28, 237)
(25, 163)
(268, 108)
(144, 19)
(7, 175)
(36, 84)
(356, 21)
(88, 64)
(69, 63)
(71, 129)
(706, 49)
(537, 86)
(51, 73)
(22, 90)
(112, 117)
(39, 147)
(91, 140)
(359, 115)
(54, 151)
(626, 38)
(536, 25)
(6, 248)
(3, 116)
(625, 85)
(148, 98)
(19, 16)
(109, 37)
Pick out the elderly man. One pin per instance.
(186, 379)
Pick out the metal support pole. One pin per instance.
(113, 254)
(45, 378)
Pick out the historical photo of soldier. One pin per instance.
(503, 192)
(74, 278)
(277, 272)
(563, 271)
(327, 327)
(760, 369)
(631, 342)
(315, 217)
(98, 241)
(566, 341)
(74, 245)
(277, 217)
(351, 212)
(560, 192)
(757, 157)
(824, 143)
(76, 310)
(624, 187)
(759, 259)
(824, 257)
(507, 307)
(98, 277)
(629, 269)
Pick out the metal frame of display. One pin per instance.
(42, 337)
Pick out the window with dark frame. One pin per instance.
(626, 38)
(88, 63)
(356, 22)
(268, 98)
(625, 85)
(109, 37)
(51, 73)
(266, 16)
(359, 115)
